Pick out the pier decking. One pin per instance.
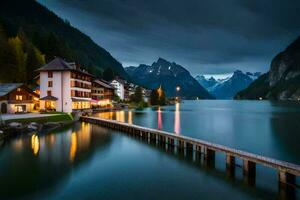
(286, 171)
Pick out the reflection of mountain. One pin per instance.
(47, 159)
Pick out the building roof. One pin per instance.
(49, 98)
(119, 80)
(103, 84)
(6, 88)
(59, 64)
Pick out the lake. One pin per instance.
(87, 161)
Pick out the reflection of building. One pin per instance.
(118, 84)
(17, 98)
(102, 94)
(64, 87)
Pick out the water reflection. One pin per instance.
(177, 119)
(120, 116)
(35, 144)
(73, 147)
(129, 117)
(40, 161)
(159, 119)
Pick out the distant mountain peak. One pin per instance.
(238, 72)
(163, 61)
(228, 87)
(169, 75)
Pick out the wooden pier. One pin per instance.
(287, 172)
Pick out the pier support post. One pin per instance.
(285, 177)
(210, 154)
(230, 165)
(189, 147)
(152, 137)
(198, 152)
(180, 144)
(286, 187)
(249, 171)
(171, 142)
(210, 157)
(230, 161)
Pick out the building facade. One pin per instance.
(102, 94)
(118, 84)
(17, 98)
(64, 87)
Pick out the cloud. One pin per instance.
(208, 36)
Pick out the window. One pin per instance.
(50, 83)
(19, 97)
(50, 74)
(73, 93)
(49, 93)
(19, 89)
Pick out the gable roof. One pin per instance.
(103, 84)
(6, 88)
(59, 64)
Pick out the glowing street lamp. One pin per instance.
(177, 88)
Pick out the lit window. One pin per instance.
(19, 97)
(19, 89)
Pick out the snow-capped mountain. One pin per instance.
(207, 83)
(169, 75)
(228, 87)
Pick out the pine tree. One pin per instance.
(138, 95)
(154, 97)
(3, 48)
(19, 60)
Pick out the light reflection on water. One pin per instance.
(87, 161)
(35, 144)
(129, 116)
(41, 145)
(261, 127)
(177, 119)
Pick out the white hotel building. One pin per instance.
(119, 84)
(63, 87)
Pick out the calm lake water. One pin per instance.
(90, 162)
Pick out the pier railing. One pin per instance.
(286, 171)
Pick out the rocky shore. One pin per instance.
(13, 129)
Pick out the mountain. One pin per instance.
(169, 76)
(227, 88)
(54, 36)
(208, 84)
(282, 82)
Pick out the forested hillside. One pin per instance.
(31, 35)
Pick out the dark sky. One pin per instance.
(205, 36)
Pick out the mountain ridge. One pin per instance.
(228, 87)
(54, 36)
(282, 81)
(169, 75)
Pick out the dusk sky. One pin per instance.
(205, 36)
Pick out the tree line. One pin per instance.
(19, 58)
